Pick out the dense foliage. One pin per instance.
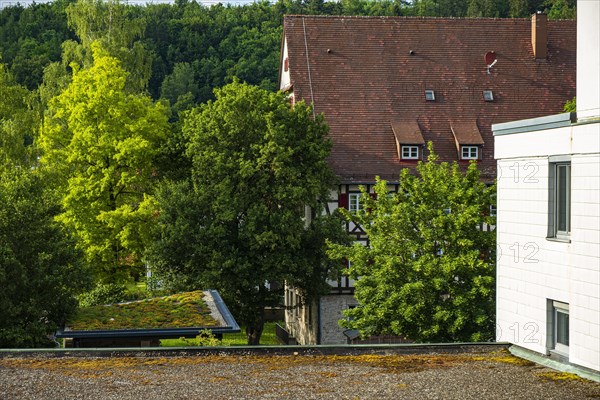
(428, 273)
(101, 143)
(40, 270)
(240, 225)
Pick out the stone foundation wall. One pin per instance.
(331, 308)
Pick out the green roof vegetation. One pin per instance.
(176, 311)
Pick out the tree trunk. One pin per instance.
(254, 330)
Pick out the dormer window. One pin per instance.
(429, 95)
(469, 152)
(468, 140)
(409, 140)
(410, 152)
(488, 95)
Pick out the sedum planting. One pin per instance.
(176, 311)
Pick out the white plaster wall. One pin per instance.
(588, 59)
(532, 269)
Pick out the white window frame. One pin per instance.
(410, 152)
(560, 311)
(562, 199)
(354, 203)
(466, 152)
(429, 95)
(488, 95)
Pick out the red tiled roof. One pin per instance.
(366, 73)
(466, 133)
(407, 132)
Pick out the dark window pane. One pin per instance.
(562, 186)
(562, 328)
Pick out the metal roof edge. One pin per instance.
(232, 325)
(534, 124)
(546, 361)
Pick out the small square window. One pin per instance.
(469, 152)
(488, 95)
(429, 95)
(410, 152)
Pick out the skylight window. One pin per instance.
(429, 95)
(488, 95)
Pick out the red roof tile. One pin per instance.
(368, 72)
(407, 132)
(466, 133)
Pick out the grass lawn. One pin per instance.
(229, 339)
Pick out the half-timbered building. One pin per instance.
(389, 85)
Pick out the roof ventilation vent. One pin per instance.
(429, 95)
(488, 95)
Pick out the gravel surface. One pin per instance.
(495, 375)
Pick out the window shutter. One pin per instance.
(343, 200)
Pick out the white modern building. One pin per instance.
(548, 277)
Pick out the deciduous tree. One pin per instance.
(18, 123)
(40, 269)
(428, 271)
(101, 142)
(239, 226)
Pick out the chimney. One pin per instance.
(539, 35)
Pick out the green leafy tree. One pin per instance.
(428, 272)
(239, 226)
(40, 270)
(18, 123)
(518, 8)
(118, 27)
(180, 87)
(486, 8)
(570, 105)
(561, 9)
(101, 143)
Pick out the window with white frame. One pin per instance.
(469, 152)
(354, 202)
(560, 327)
(410, 152)
(560, 200)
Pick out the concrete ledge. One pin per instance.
(555, 364)
(412, 348)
